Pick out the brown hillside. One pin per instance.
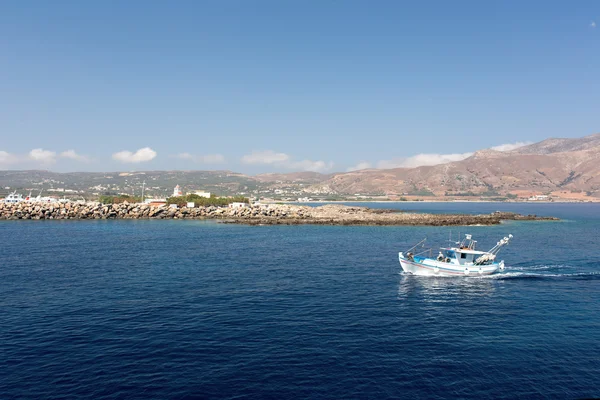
(550, 165)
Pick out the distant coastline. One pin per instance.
(437, 200)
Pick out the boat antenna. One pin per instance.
(416, 245)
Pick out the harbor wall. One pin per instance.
(271, 214)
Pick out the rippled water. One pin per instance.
(191, 309)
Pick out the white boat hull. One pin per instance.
(429, 267)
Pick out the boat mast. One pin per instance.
(416, 245)
(498, 246)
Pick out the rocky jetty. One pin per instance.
(271, 214)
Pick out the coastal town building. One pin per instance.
(155, 202)
(237, 205)
(63, 190)
(201, 194)
(539, 197)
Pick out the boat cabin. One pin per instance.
(459, 256)
(13, 198)
(465, 253)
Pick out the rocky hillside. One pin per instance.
(554, 145)
(548, 166)
(293, 177)
(156, 183)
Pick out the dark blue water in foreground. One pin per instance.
(188, 309)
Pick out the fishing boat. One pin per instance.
(461, 260)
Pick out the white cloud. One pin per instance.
(7, 158)
(510, 146)
(359, 166)
(142, 155)
(309, 165)
(265, 157)
(43, 156)
(389, 164)
(423, 159)
(204, 159)
(185, 156)
(593, 24)
(72, 155)
(282, 160)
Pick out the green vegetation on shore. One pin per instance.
(181, 201)
(119, 199)
(200, 201)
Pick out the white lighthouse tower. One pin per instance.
(177, 191)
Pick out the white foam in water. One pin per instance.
(539, 267)
(524, 272)
(514, 275)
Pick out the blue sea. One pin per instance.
(195, 309)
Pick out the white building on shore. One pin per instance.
(155, 202)
(539, 197)
(201, 194)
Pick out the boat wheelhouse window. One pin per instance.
(463, 255)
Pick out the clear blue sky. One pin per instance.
(295, 82)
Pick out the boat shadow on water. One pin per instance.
(438, 287)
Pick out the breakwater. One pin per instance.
(270, 214)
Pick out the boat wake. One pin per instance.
(543, 267)
(545, 271)
(536, 272)
(541, 276)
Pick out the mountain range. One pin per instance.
(553, 165)
(563, 168)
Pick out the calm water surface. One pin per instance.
(192, 309)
